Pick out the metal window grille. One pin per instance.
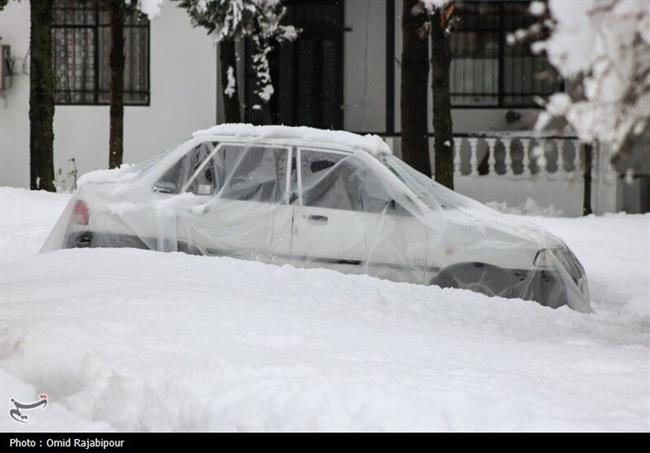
(81, 41)
(486, 71)
(308, 72)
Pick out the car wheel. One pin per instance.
(479, 277)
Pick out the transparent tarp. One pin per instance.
(318, 199)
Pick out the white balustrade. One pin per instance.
(491, 158)
(473, 159)
(540, 156)
(577, 162)
(525, 143)
(507, 160)
(562, 187)
(458, 142)
(534, 152)
(559, 143)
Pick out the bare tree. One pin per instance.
(588, 163)
(414, 89)
(116, 13)
(41, 97)
(442, 121)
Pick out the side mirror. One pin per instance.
(320, 165)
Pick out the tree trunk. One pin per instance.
(442, 123)
(588, 165)
(414, 90)
(117, 62)
(41, 97)
(228, 59)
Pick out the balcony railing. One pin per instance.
(518, 156)
(515, 167)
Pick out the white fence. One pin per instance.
(514, 168)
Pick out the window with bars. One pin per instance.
(307, 73)
(486, 71)
(81, 45)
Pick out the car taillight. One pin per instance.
(81, 213)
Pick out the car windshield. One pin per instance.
(432, 194)
(147, 164)
(420, 185)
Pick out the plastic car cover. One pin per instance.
(318, 199)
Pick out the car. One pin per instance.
(316, 198)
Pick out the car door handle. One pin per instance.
(319, 219)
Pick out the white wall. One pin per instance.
(365, 72)
(183, 99)
(14, 109)
(364, 79)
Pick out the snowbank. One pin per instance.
(26, 219)
(135, 340)
(529, 208)
(615, 251)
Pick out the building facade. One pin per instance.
(170, 84)
(343, 72)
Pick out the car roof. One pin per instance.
(305, 136)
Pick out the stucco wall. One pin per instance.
(365, 72)
(183, 92)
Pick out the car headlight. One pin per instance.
(545, 258)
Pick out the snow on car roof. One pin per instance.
(306, 135)
(370, 143)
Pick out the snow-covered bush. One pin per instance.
(602, 47)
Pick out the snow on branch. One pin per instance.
(445, 8)
(150, 7)
(432, 5)
(258, 20)
(602, 47)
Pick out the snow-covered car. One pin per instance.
(315, 198)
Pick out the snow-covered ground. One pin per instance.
(136, 340)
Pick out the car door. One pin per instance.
(396, 241)
(395, 238)
(347, 219)
(328, 228)
(246, 212)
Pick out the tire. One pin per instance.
(479, 277)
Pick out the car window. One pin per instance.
(256, 174)
(342, 181)
(177, 176)
(211, 178)
(326, 180)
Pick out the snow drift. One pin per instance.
(137, 340)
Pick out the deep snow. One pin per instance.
(131, 340)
